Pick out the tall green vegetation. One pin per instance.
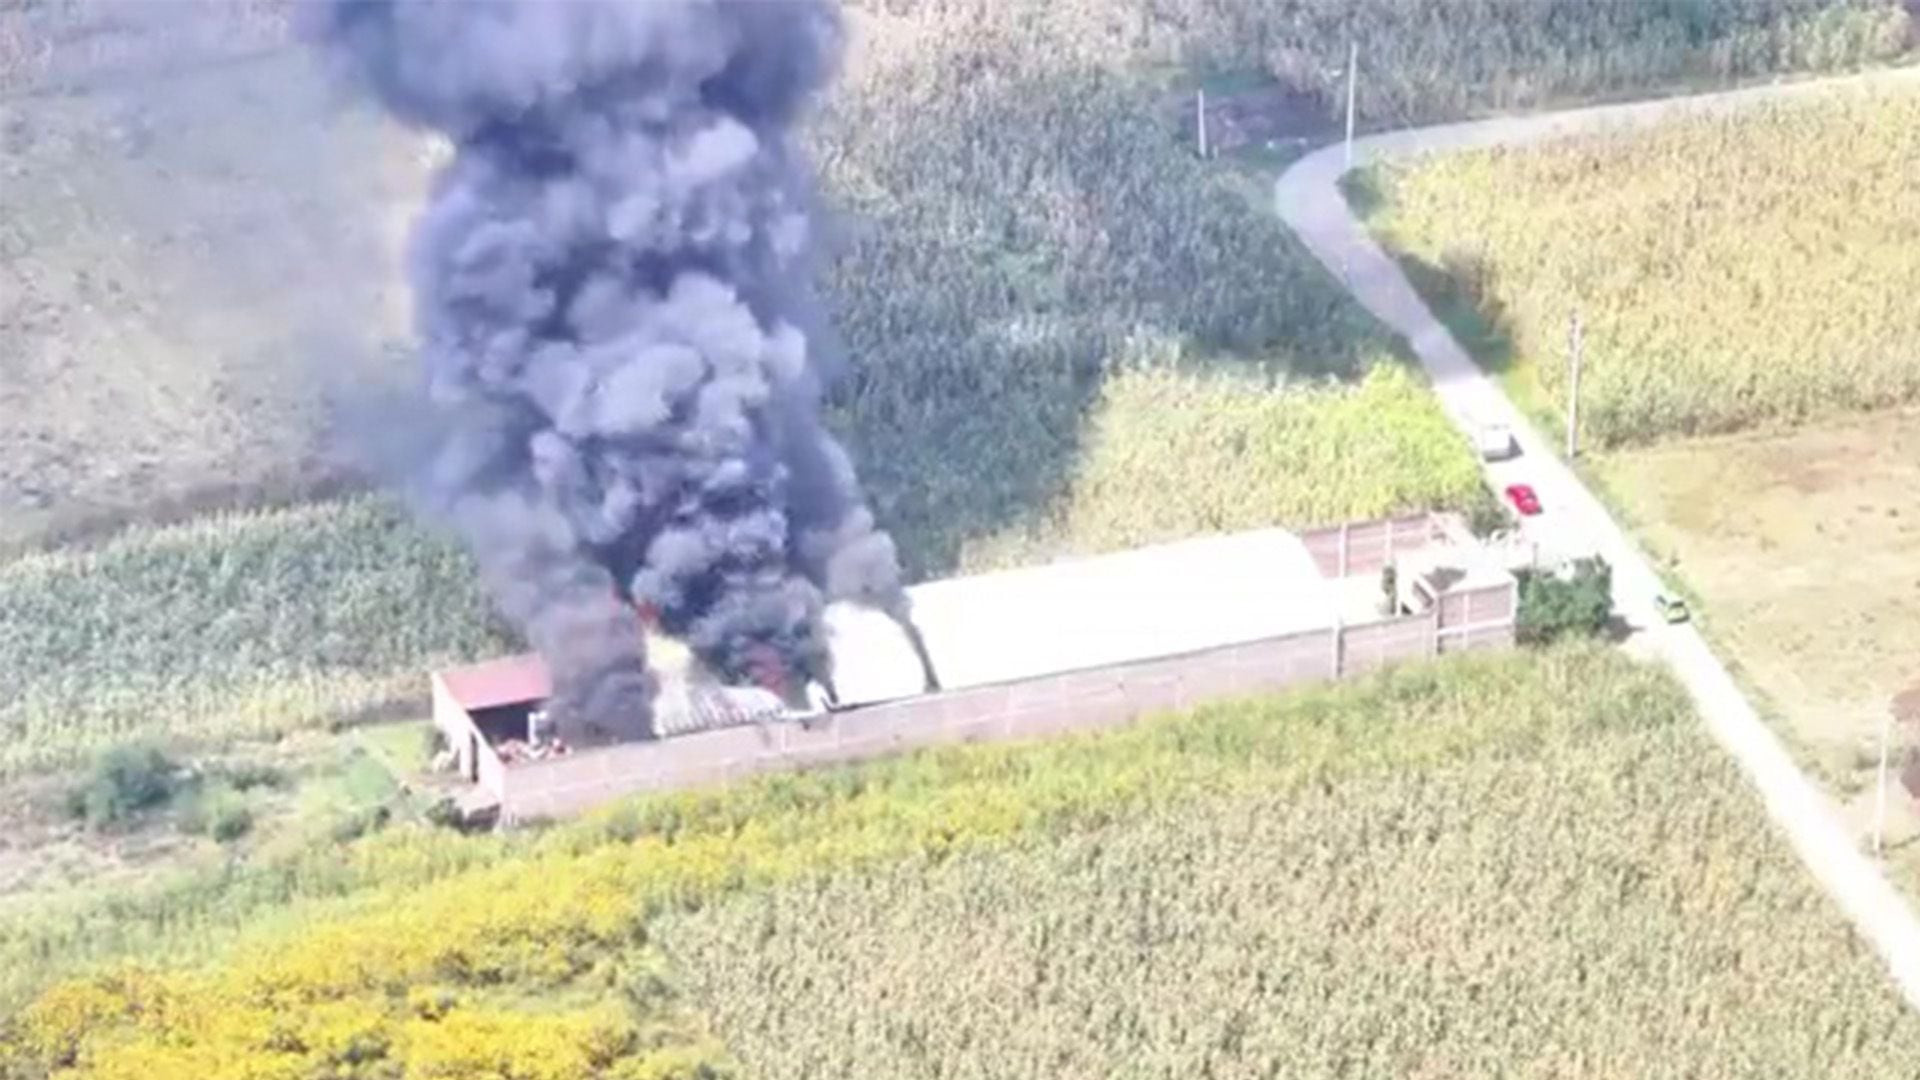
(1441, 59)
(1555, 606)
(1546, 833)
(1019, 232)
(1729, 271)
(240, 626)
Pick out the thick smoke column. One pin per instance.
(622, 344)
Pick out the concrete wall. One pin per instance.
(1478, 618)
(475, 756)
(1365, 547)
(1073, 701)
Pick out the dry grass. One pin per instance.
(187, 266)
(1802, 546)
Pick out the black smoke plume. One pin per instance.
(624, 354)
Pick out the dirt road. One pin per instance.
(1574, 522)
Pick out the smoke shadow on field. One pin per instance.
(1462, 294)
(979, 434)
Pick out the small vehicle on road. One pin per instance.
(1495, 442)
(1524, 501)
(1671, 608)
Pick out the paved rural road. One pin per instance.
(1574, 522)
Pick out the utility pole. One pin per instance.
(1880, 795)
(1573, 386)
(1353, 73)
(1200, 114)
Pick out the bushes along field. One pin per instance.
(1578, 877)
(1729, 272)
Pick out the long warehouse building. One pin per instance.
(1072, 645)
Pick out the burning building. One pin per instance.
(1074, 644)
(622, 354)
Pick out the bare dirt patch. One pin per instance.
(1804, 547)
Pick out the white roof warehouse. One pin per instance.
(1080, 643)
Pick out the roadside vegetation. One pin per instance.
(1729, 272)
(1480, 808)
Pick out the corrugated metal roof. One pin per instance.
(1092, 612)
(510, 680)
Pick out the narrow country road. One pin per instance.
(1574, 522)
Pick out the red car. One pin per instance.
(1523, 499)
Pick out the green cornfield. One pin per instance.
(238, 626)
(1729, 272)
(1522, 864)
(1605, 902)
(1020, 238)
(1427, 60)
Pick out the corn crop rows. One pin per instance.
(1527, 860)
(1441, 59)
(1621, 910)
(240, 626)
(1729, 272)
(1023, 239)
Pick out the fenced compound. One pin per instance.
(1478, 615)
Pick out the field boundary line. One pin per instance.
(1308, 198)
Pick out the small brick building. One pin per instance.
(1072, 645)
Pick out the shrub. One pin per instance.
(125, 781)
(1578, 602)
(247, 775)
(219, 810)
(1487, 515)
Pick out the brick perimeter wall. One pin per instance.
(1370, 544)
(1074, 701)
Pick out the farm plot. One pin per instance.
(1802, 546)
(1729, 272)
(1529, 861)
(240, 626)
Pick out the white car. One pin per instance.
(1495, 442)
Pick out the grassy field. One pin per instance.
(1586, 886)
(1434, 59)
(188, 267)
(1801, 545)
(1690, 326)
